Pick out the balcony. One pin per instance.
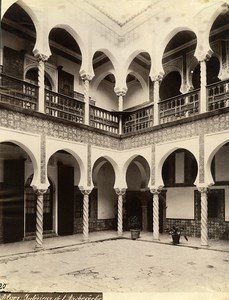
(18, 93)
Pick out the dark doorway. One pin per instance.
(13, 201)
(65, 199)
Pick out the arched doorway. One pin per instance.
(103, 199)
(64, 170)
(14, 163)
(138, 196)
(179, 173)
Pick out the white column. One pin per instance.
(204, 216)
(41, 80)
(120, 93)
(156, 85)
(85, 193)
(203, 84)
(120, 192)
(86, 80)
(39, 219)
(155, 193)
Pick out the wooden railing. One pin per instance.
(17, 92)
(103, 119)
(138, 120)
(64, 107)
(218, 95)
(179, 107)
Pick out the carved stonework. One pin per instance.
(89, 170)
(30, 123)
(43, 159)
(153, 165)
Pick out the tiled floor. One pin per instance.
(23, 247)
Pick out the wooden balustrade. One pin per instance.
(103, 119)
(17, 92)
(218, 95)
(138, 120)
(179, 107)
(64, 107)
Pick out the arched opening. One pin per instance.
(218, 201)
(103, 203)
(170, 86)
(18, 39)
(31, 209)
(32, 76)
(66, 56)
(138, 197)
(179, 173)
(103, 94)
(65, 173)
(15, 164)
(138, 83)
(179, 52)
(213, 66)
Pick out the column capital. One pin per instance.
(157, 77)
(40, 192)
(203, 189)
(156, 190)
(120, 191)
(39, 56)
(85, 190)
(86, 76)
(120, 91)
(203, 56)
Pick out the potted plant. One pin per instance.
(176, 233)
(134, 226)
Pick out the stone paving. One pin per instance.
(118, 266)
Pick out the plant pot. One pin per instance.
(176, 239)
(135, 233)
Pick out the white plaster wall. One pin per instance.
(105, 97)
(135, 96)
(180, 203)
(107, 197)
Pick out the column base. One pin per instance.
(204, 245)
(38, 248)
(85, 239)
(119, 234)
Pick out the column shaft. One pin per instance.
(85, 213)
(156, 216)
(41, 84)
(39, 219)
(120, 193)
(156, 102)
(204, 218)
(203, 84)
(86, 100)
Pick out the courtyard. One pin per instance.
(118, 266)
